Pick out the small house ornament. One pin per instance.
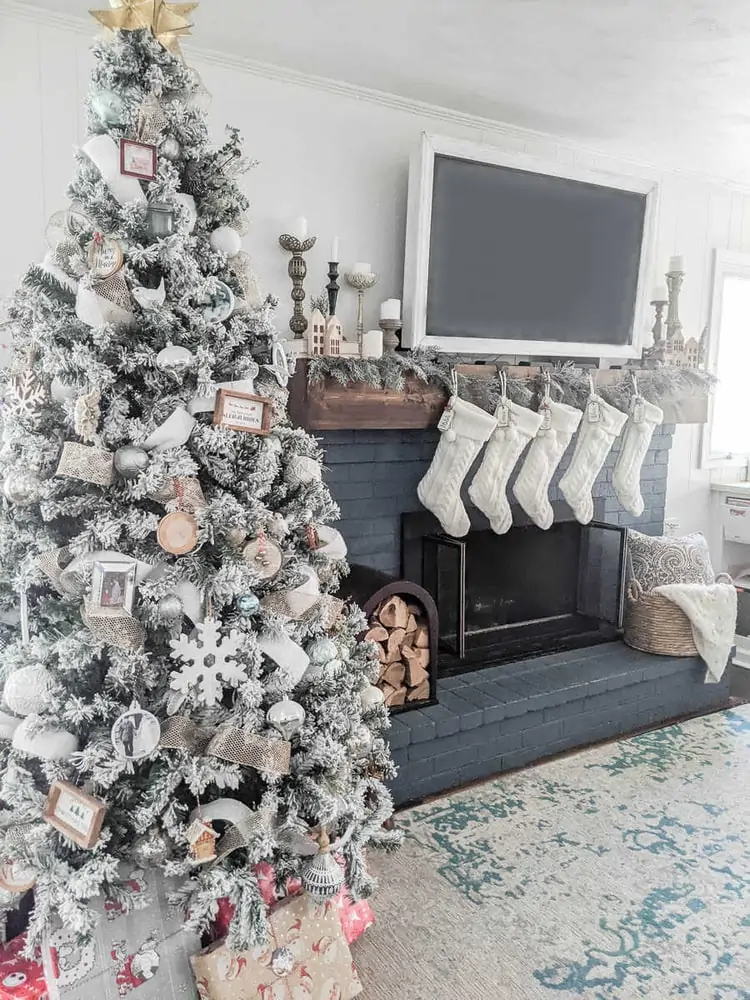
(316, 337)
(333, 337)
(202, 840)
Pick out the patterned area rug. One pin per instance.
(619, 873)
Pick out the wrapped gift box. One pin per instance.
(20, 978)
(138, 947)
(355, 917)
(306, 956)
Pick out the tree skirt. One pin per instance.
(618, 873)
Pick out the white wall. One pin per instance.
(336, 155)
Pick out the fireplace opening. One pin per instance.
(527, 592)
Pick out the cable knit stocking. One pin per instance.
(601, 425)
(531, 489)
(626, 479)
(516, 426)
(464, 429)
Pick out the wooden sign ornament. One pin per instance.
(241, 411)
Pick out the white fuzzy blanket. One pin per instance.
(712, 611)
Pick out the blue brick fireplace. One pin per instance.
(507, 715)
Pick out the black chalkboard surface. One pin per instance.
(526, 256)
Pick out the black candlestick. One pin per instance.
(332, 286)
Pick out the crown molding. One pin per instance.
(282, 74)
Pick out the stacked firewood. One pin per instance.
(403, 641)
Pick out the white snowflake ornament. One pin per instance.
(25, 397)
(208, 655)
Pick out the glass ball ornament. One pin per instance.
(28, 690)
(169, 608)
(131, 461)
(248, 603)
(372, 697)
(322, 877)
(226, 240)
(286, 717)
(322, 650)
(170, 148)
(109, 107)
(151, 849)
(174, 359)
(282, 961)
(21, 487)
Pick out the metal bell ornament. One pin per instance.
(322, 650)
(248, 603)
(286, 717)
(174, 359)
(131, 461)
(170, 608)
(322, 876)
(21, 487)
(372, 697)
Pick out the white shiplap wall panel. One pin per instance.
(339, 160)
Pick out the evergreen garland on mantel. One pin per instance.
(569, 383)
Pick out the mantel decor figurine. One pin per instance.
(669, 345)
(298, 244)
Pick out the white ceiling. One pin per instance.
(667, 80)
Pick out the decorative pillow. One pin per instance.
(659, 560)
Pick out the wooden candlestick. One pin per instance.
(297, 272)
(333, 286)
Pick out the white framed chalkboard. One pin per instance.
(510, 254)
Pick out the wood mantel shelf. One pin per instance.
(329, 405)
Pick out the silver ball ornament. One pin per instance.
(282, 961)
(248, 603)
(109, 107)
(286, 717)
(174, 359)
(28, 690)
(151, 849)
(322, 650)
(21, 487)
(131, 461)
(170, 148)
(372, 697)
(226, 240)
(322, 877)
(169, 608)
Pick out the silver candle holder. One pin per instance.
(361, 281)
(667, 335)
(297, 272)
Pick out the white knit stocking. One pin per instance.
(601, 425)
(516, 426)
(643, 419)
(464, 429)
(531, 489)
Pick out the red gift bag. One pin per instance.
(20, 978)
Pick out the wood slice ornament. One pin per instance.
(105, 257)
(264, 556)
(177, 533)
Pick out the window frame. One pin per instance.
(726, 264)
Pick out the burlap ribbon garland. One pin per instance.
(88, 463)
(192, 498)
(120, 630)
(52, 563)
(227, 743)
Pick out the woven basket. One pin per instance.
(654, 624)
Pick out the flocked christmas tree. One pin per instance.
(165, 540)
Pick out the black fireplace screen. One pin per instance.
(522, 593)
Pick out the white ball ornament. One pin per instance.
(29, 690)
(372, 697)
(60, 391)
(21, 487)
(302, 470)
(170, 148)
(226, 240)
(322, 651)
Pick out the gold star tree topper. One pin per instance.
(167, 22)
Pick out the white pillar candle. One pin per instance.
(391, 309)
(372, 344)
(334, 249)
(677, 263)
(660, 294)
(299, 228)
(361, 268)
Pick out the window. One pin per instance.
(726, 436)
